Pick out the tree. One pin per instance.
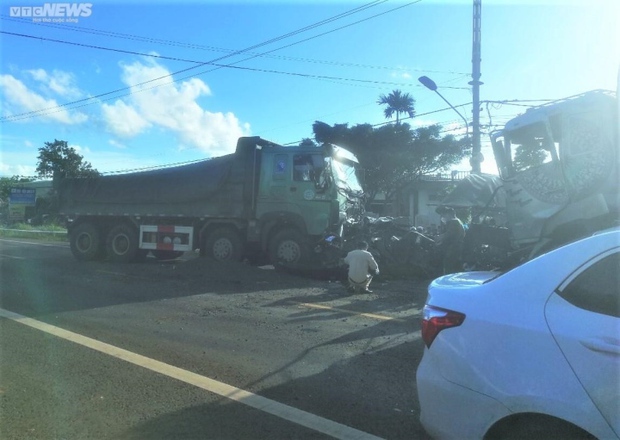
(397, 102)
(58, 159)
(307, 142)
(393, 156)
(528, 156)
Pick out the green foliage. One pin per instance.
(307, 142)
(397, 102)
(393, 156)
(44, 233)
(59, 159)
(527, 156)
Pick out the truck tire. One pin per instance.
(288, 246)
(85, 242)
(122, 244)
(224, 244)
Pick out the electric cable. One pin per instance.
(93, 99)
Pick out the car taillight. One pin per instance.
(436, 319)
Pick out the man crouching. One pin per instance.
(362, 267)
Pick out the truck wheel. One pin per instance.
(224, 244)
(166, 255)
(122, 244)
(85, 242)
(288, 246)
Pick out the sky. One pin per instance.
(137, 84)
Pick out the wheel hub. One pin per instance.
(83, 242)
(120, 244)
(222, 249)
(289, 251)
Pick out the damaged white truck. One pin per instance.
(558, 181)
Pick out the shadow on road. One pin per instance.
(346, 392)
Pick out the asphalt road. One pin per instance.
(193, 349)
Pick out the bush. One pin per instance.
(44, 232)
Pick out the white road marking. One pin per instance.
(277, 409)
(12, 256)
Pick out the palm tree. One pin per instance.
(397, 102)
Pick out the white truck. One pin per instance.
(558, 180)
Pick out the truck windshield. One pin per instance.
(345, 176)
(531, 146)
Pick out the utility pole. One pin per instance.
(476, 154)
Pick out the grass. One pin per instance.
(42, 232)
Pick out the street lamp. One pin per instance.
(430, 84)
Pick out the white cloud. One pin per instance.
(401, 75)
(7, 170)
(123, 120)
(117, 144)
(19, 99)
(58, 82)
(13, 154)
(173, 107)
(80, 150)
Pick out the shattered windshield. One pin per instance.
(346, 176)
(531, 147)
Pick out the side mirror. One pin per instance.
(500, 156)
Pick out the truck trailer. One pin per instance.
(263, 199)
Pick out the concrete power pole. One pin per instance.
(476, 154)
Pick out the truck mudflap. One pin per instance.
(166, 238)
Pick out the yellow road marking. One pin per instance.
(351, 312)
(277, 409)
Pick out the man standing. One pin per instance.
(451, 242)
(362, 267)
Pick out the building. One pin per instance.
(419, 199)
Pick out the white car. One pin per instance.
(530, 353)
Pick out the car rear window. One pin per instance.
(597, 288)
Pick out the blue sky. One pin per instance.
(335, 72)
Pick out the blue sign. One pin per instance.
(22, 196)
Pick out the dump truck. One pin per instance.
(558, 181)
(262, 200)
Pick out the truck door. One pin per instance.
(288, 185)
(307, 169)
(313, 204)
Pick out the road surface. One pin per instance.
(193, 349)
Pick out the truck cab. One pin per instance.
(305, 192)
(559, 168)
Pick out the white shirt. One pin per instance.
(360, 263)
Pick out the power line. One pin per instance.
(314, 76)
(237, 52)
(91, 99)
(380, 124)
(217, 49)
